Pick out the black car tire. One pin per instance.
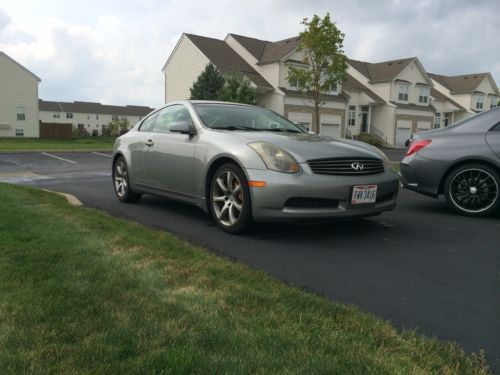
(121, 182)
(229, 199)
(473, 190)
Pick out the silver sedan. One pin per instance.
(242, 164)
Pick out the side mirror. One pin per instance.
(183, 127)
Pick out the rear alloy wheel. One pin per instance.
(473, 190)
(121, 182)
(230, 199)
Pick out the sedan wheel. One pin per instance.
(121, 182)
(473, 190)
(230, 199)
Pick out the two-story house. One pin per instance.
(475, 93)
(346, 109)
(89, 118)
(389, 99)
(18, 99)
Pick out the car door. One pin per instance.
(138, 148)
(493, 139)
(169, 160)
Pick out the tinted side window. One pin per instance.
(171, 115)
(495, 128)
(147, 124)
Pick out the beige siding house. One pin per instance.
(89, 118)
(18, 99)
(390, 99)
(474, 93)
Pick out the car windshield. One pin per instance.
(234, 117)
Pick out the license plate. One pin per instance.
(364, 194)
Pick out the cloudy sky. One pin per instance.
(113, 51)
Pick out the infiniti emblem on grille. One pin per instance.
(357, 166)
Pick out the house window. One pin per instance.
(423, 95)
(403, 93)
(69, 115)
(352, 115)
(479, 102)
(494, 102)
(19, 132)
(97, 117)
(21, 113)
(56, 115)
(114, 117)
(437, 120)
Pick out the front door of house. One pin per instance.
(364, 119)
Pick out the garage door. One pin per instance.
(330, 125)
(423, 126)
(302, 118)
(403, 132)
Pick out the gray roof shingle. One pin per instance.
(382, 71)
(267, 52)
(226, 59)
(462, 84)
(92, 107)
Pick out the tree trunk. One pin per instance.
(316, 118)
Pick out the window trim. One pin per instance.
(351, 119)
(404, 91)
(479, 99)
(19, 132)
(21, 113)
(421, 97)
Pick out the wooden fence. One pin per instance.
(55, 131)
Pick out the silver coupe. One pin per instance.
(243, 163)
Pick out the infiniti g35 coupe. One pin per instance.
(243, 163)
(461, 161)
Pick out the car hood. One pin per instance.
(304, 147)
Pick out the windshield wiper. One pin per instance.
(283, 130)
(232, 127)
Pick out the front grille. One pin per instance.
(344, 166)
(311, 203)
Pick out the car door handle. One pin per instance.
(149, 143)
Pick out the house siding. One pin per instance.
(273, 101)
(383, 120)
(182, 70)
(18, 88)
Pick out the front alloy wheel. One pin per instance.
(473, 190)
(121, 182)
(230, 199)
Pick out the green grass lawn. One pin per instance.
(76, 144)
(82, 292)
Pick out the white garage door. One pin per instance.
(423, 126)
(403, 132)
(330, 125)
(304, 119)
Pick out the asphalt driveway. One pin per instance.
(419, 266)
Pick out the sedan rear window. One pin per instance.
(234, 117)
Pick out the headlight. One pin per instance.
(275, 158)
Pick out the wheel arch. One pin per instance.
(214, 165)
(460, 163)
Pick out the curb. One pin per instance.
(72, 200)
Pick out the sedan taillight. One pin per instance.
(417, 145)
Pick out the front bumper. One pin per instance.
(274, 201)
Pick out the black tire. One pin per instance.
(473, 190)
(121, 182)
(229, 199)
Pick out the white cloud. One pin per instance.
(113, 52)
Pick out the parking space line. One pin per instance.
(57, 157)
(99, 153)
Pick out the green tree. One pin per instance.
(208, 84)
(118, 126)
(237, 89)
(325, 64)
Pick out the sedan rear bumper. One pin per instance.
(304, 195)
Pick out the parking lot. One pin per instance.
(420, 266)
